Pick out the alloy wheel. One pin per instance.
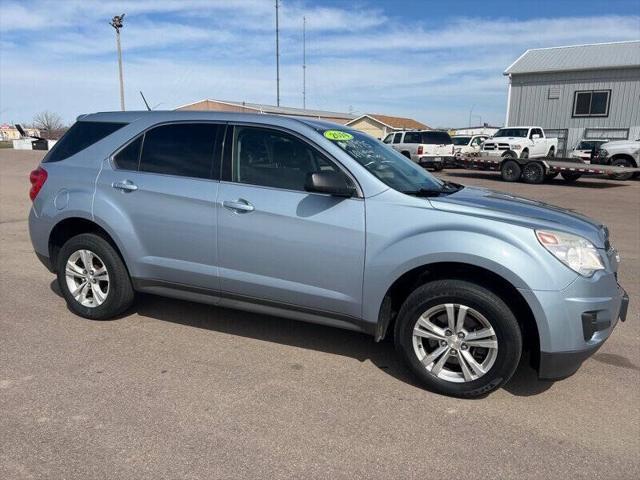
(455, 342)
(87, 278)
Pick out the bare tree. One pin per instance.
(49, 123)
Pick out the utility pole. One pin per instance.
(471, 112)
(116, 23)
(277, 57)
(304, 63)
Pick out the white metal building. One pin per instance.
(575, 92)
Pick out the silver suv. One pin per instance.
(315, 221)
(429, 148)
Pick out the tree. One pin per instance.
(50, 124)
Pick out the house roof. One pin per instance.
(393, 122)
(264, 108)
(578, 57)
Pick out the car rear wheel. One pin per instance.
(510, 171)
(533, 172)
(622, 162)
(93, 279)
(459, 339)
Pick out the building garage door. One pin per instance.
(561, 134)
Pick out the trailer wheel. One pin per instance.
(570, 177)
(510, 171)
(533, 172)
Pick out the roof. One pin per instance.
(578, 57)
(393, 122)
(264, 108)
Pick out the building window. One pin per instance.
(591, 103)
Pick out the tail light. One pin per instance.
(420, 150)
(37, 179)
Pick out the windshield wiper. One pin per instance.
(447, 188)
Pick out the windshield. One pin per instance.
(461, 140)
(512, 132)
(386, 164)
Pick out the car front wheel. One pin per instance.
(458, 338)
(93, 278)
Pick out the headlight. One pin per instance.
(577, 253)
(516, 147)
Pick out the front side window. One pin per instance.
(591, 103)
(535, 131)
(270, 158)
(388, 138)
(386, 164)
(80, 136)
(182, 149)
(397, 138)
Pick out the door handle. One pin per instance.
(125, 186)
(239, 206)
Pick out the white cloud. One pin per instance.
(61, 56)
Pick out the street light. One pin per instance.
(116, 22)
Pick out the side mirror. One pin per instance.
(332, 183)
(535, 136)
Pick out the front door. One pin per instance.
(278, 243)
(158, 193)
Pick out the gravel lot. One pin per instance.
(181, 390)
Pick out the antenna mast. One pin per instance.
(277, 57)
(304, 63)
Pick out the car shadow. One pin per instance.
(302, 335)
(594, 182)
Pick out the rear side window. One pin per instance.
(436, 138)
(80, 136)
(183, 149)
(397, 138)
(129, 157)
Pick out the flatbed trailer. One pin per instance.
(539, 170)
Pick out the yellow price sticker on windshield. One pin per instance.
(337, 135)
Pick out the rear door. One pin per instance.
(278, 243)
(158, 192)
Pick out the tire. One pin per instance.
(433, 301)
(533, 172)
(438, 168)
(407, 154)
(509, 154)
(552, 153)
(622, 162)
(570, 177)
(108, 295)
(510, 171)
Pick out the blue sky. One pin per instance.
(429, 60)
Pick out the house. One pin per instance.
(575, 92)
(379, 126)
(229, 106)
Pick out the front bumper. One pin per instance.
(578, 320)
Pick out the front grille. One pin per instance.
(503, 146)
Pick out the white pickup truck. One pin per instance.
(520, 142)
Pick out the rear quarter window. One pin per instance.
(436, 138)
(80, 136)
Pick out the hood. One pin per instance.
(620, 143)
(507, 208)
